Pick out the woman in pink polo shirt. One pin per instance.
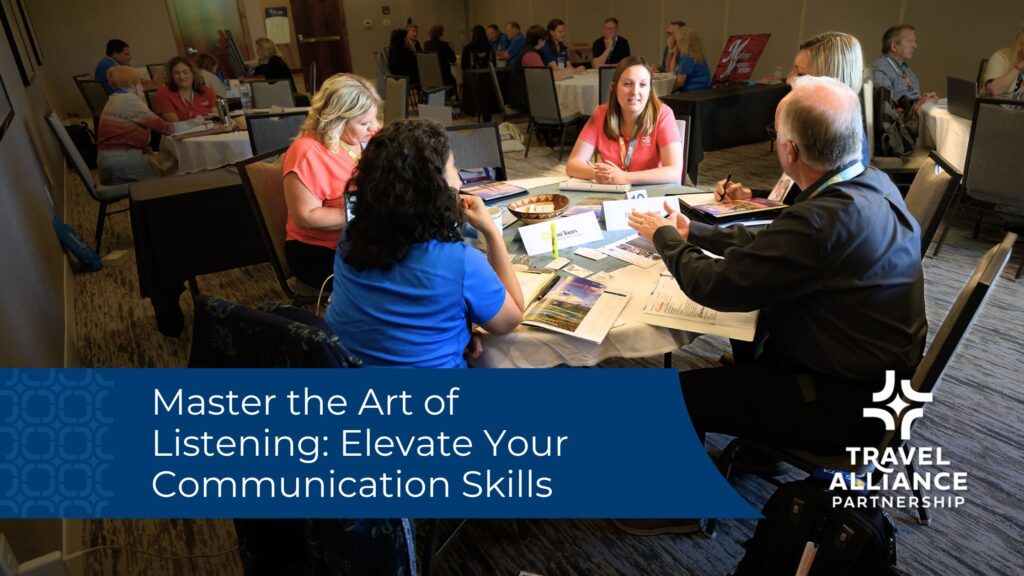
(185, 95)
(317, 168)
(634, 134)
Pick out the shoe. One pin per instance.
(727, 359)
(753, 462)
(653, 526)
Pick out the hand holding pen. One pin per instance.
(726, 191)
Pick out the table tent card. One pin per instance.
(616, 212)
(571, 231)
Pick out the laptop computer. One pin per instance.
(961, 95)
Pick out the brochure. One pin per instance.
(578, 307)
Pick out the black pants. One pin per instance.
(781, 407)
(310, 263)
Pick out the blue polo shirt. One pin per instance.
(101, 73)
(515, 45)
(501, 43)
(548, 54)
(698, 76)
(414, 315)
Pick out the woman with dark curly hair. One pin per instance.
(406, 286)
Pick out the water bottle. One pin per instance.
(778, 72)
(245, 95)
(222, 111)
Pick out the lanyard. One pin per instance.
(626, 156)
(848, 173)
(188, 103)
(900, 70)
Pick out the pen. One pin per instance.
(725, 187)
(554, 242)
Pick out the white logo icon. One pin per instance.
(896, 403)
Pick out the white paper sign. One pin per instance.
(636, 194)
(571, 231)
(616, 212)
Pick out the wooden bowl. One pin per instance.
(538, 208)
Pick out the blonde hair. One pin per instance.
(120, 77)
(266, 46)
(837, 55)
(1018, 43)
(648, 116)
(341, 98)
(688, 42)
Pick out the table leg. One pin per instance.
(169, 317)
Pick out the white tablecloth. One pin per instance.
(945, 133)
(208, 152)
(579, 94)
(530, 347)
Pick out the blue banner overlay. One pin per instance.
(353, 443)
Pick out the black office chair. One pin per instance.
(544, 110)
(930, 195)
(925, 380)
(604, 82)
(269, 132)
(477, 147)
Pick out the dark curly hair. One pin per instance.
(400, 196)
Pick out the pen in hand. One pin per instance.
(725, 188)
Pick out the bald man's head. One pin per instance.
(821, 116)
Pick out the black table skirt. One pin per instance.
(478, 97)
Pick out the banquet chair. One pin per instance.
(930, 195)
(267, 93)
(105, 195)
(981, 72)
(544, 110)
(430, 71)
(151, 99)
(157, 70)
(273, 131)
(95, 98)
(264, 187)
(604, 82)
(506, 111)
(477, 147)
(924, 381)
(396, 99)
(438, 113)
(683, 123)
(993, 172)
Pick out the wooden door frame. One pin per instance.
(246, 45)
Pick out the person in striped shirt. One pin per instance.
(124, 131)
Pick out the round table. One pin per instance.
(530, 347)
(579, 94)
(208, 152)
(946, 133)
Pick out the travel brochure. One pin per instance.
(494, 191)
(669, 307)
(635, 250)
(578, 307)
(738, 208)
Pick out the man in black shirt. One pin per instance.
(610, 47)
(837, 277)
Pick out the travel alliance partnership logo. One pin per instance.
(896, 466)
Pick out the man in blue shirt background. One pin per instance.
(497, 38)
(516, 42)
(118, 54)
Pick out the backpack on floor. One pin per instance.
(900, 125)
(856, 542)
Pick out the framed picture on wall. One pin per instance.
(6, 111)
(18, 40)
(29, 32)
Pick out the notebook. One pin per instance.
(591, 186)
(494, 191)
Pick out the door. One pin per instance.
(322, 38)
(196, 23)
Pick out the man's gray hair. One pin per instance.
(822, 117)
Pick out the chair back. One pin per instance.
(540, 90)
(157, 70)
(497, 86)
(683, 123)
(441, 114)
(151, 99)
(264, 185)
(993, 171)
(479, 59)
(477, 146)
(880, 95)
(267, 93)
(981, 72)
(867, 98)
(71, 153)
(396, 99)
(604, 82)
(434, 97)
(94, 94)
(960, 316)
(930, 195)
(430, 70)
(273, 131)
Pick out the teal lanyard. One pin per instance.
(848, 173)
(626, 155)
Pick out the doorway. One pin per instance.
(322, 36)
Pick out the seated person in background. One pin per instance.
(118, 54)
(496, 38)
(122, 138)
(412, 32)
(669, 52)
(445, 54)
(1004, 73)
(271, 66)
(689, 64)
(610, 48)
(185, 95)
(209, 70)
(634, 133)
(556, 53)
(406, 286)
(532, 55)
(516, 42)
(892, 70)
(318, 165)
(837, 278)
(402, 60)
(478, 53)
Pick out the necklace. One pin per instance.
(351, 153)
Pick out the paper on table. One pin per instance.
(571, 231)
(635, 250)
(616, 212)
(578, 307)
(670, 307)
(698, 199)
(530, 183)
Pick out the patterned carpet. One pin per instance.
(976, 419)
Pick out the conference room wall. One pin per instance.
(36, 329)
(946, 45)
